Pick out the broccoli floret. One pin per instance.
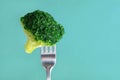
(41, 30)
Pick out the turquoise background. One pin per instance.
(90, 49)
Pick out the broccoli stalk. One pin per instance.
(32, 44)
(41, 30)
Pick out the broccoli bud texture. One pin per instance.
(41, 29)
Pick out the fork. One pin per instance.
(48, 57)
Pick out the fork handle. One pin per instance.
(48, 74)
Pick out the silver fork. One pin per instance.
(48, 56)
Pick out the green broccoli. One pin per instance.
(41, 30)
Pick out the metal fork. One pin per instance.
(48, 56)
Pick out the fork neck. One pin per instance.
(48, 73)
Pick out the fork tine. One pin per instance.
(42, 49)
(50, 49)
(54, 48)
(46, 49)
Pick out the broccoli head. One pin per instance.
(41, 30)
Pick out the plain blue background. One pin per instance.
(90, 49)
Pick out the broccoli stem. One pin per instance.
(30, 46)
